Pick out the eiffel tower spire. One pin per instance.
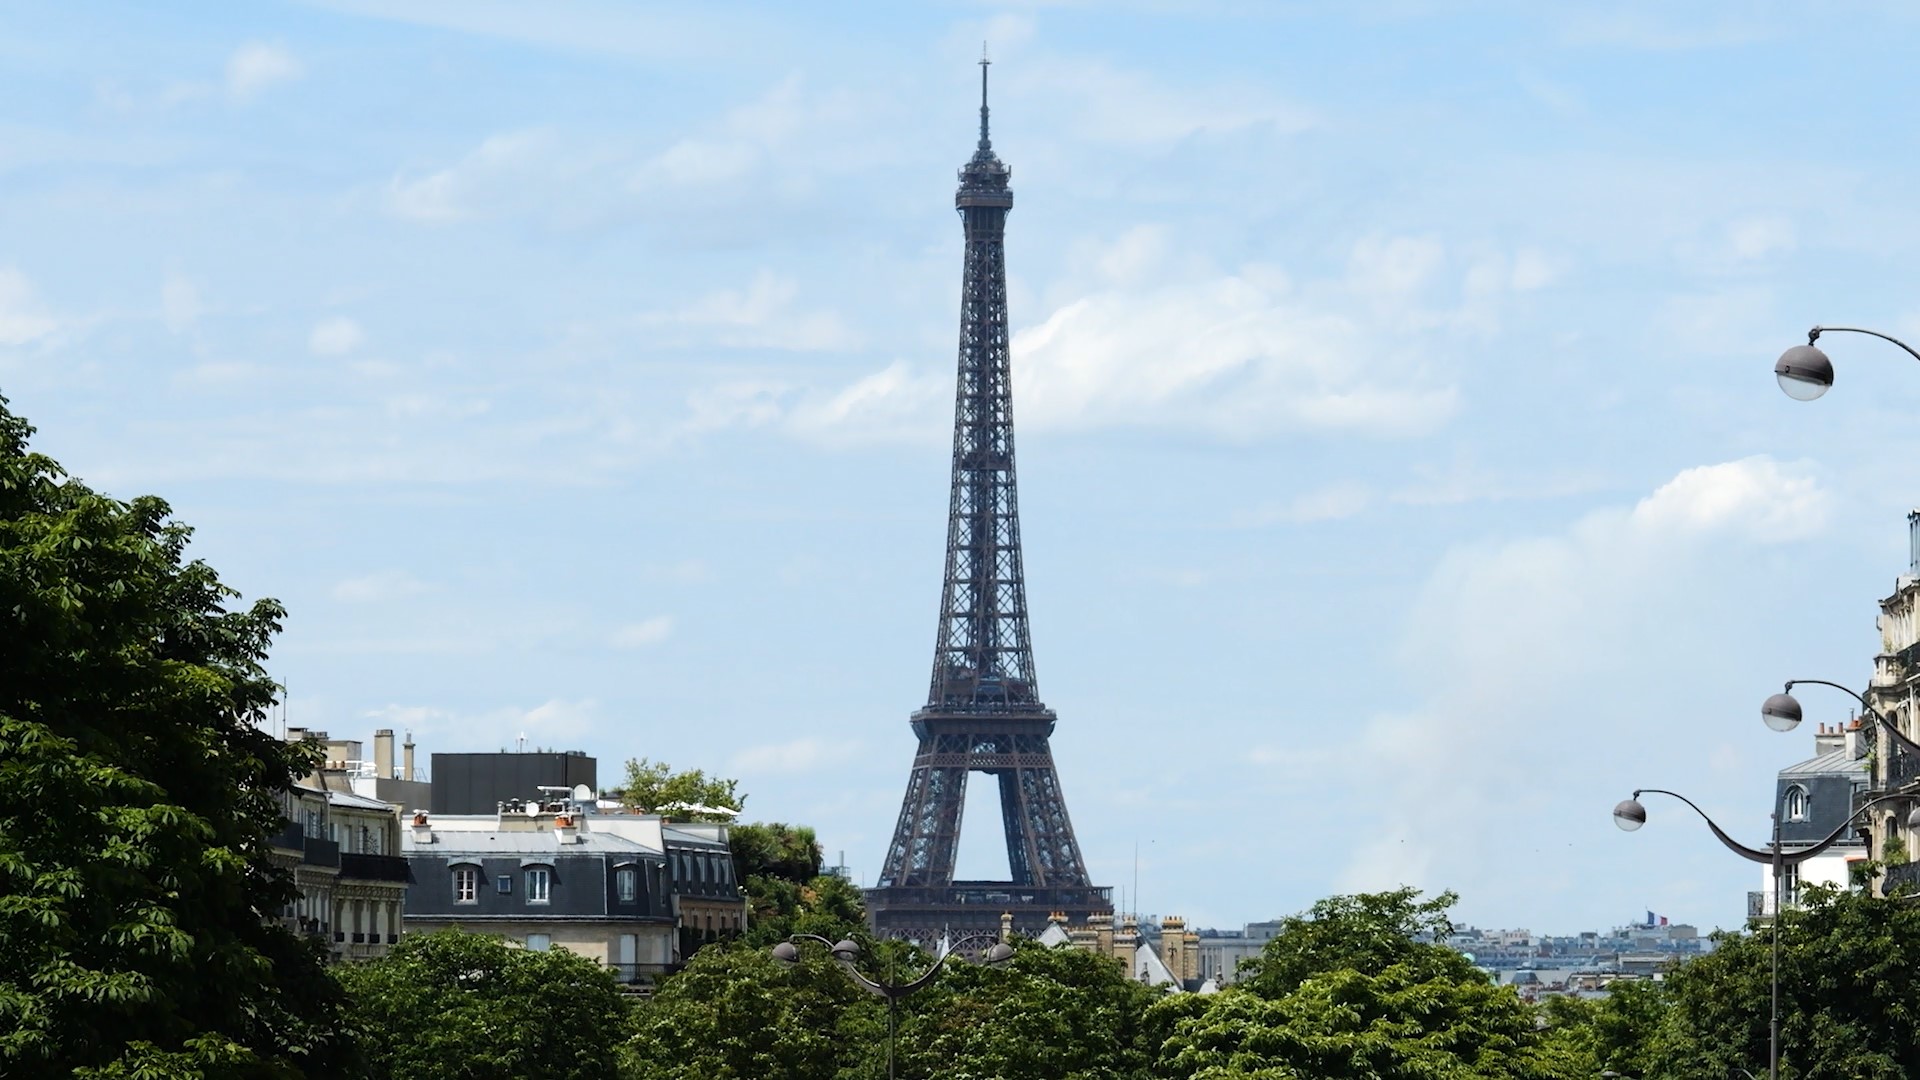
(983, 711)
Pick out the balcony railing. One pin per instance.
(373, 867)
(1905, 875)
(319, 852)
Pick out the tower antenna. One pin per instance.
(985, 62)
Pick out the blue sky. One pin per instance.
(1403, 478)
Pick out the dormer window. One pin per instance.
(1796, 803)
(466, 885)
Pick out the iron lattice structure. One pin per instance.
(983, 711)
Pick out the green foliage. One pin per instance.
(137, 794)
(771, 849)
(735, 1013)
(1047, 1014)
(1849, 996)
(459, 1006)
(655, 788)
(1363, 932)
(779, 867)
(1347, 991)
(1388, 1025)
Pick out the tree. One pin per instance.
(1047, 1014)
(137, 795)
(1350, 991)
(1849, 978)
(457, 1006)
(654, 787)
(779, 868)
(735, 1013)
(1351, 1025)
(1364, 932)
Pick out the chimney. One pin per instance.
(422, 832)
(1126, 941)
(407, 760)
(1173, 945)
(565, 829)
(1828, 739)
(1102, 924)
(383, 753)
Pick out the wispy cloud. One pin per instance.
(558, 723)
(797, 756)
(24, 318)
(334, 336)
(378, 587)
(256, 66)
(1510, 638)
(640, 635)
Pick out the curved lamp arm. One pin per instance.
(1813, 335)
(891, 990)
(1787, 858)
(1909, 745)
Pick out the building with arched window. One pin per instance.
(1815, 797)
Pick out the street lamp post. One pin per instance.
(846, 951)
(1782, 712)
(1805, 372)
(1630, 815)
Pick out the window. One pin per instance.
(626, 883)
(539, 879)
(1790, 885)
(539, 942)
(1796, 803)
(503, 884)
(466, 885)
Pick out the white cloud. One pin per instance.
(180, 303)
(1755, 496)
(765, 314)
(893, 404)
(257, 65)
(798, 756)
(378, 587)
(1109, 104)
(503, 167)
(1141, 335)
(557, 724)
(1533, 648)
(640, 635)
(334, 336)
(1756, 238)
(781, 125)
(23, 318)
(1238, 356)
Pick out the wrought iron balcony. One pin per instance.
(373, 867)
(318, 852)
(1904, 876)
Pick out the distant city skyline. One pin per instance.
(1403, 477)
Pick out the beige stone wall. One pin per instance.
(596, 940)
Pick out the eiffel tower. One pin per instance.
(983, 711)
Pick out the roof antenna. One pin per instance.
(985, 143)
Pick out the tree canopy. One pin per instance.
(1849, 996)
(654, 787)
(1349, 990)
(457, 1006)
(137, 795)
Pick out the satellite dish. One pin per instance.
(583, 793)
